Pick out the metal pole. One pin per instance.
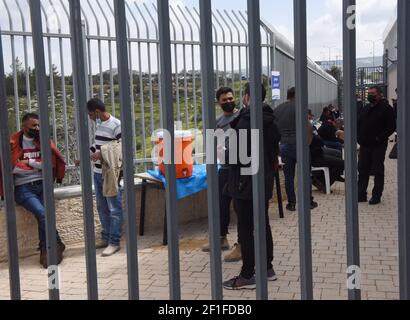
(255, 55)
(304, 183)
(404, 151)
(48, 191)
(6, 168)
(208, 89)
(80, 80)
(168, 124)
(350, 112)
(127, 147)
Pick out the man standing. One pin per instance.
(226, 101)
(28, 178)
(240, 188)
(285, 117)
(376, 124)
(109, 208)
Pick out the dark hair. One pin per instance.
(29, 116)
(247, 91)
(222, 91)
(377, 88)
(96, 104)
(291, 93)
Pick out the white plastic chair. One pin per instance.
(326, 172)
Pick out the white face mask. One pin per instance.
(98, 120)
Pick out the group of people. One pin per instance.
(376, 124)
(27, 163)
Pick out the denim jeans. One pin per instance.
(289, 158)
(110, 212)
(30, 197)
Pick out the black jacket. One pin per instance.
(376, 124)
(240, 186)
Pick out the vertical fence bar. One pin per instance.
(193, 65)
(208, 89)
(350, 113)
(128, 147)
(141, 84)
(112, 90)
(223, 47)
(99, 50)
(246, 41)
(80, 79)
(255, 54)
(184, 66)
(151, 95)
(232, 46)
(14, 66)
(158, 63)
(27, 71)
(38, 47)
(304, 187)
(51, 75)
(239, 53)
(404, 151)
(168, 124)
(64, 101)
(6, 168)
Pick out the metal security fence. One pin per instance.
(170, 109)
(231, 66)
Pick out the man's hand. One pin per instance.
(96, 157)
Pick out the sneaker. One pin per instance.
(43, 255)
(235, 255)
(224, 245)
(110, 250)
(101, 244)
(313, 205)
(272, 275)
(374, 201)
(291, 207)
(240, 283)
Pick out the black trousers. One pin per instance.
(335, 164)
(244, 210)
(371, 163)
(224, 202)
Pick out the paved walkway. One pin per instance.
(379, 257)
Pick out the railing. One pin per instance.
(164, 51)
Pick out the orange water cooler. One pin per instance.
(183, 153)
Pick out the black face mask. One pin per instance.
(34, 134)
(372, 98)
(228, 107)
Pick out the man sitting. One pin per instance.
(28, 179)
(328, 133)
